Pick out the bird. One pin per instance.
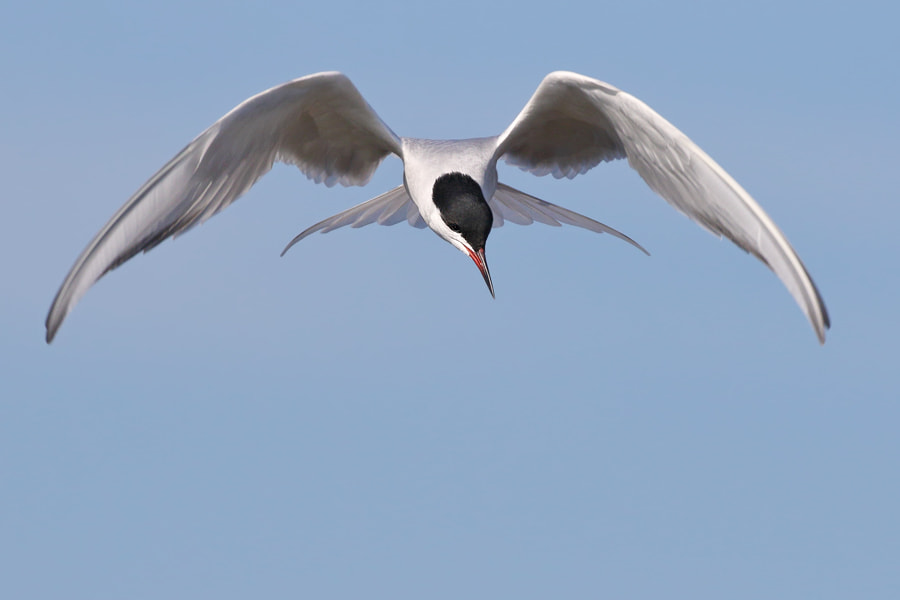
(322, 124)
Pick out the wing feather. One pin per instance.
(573, 123)
(518, 207)
(389, 208)
(319, 123)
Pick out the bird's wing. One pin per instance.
(515, 206)
(319, 123)
(573, 123)
(389, 208)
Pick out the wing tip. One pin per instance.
(823, 323)
(297, 238)
(52, 324)
(60, 308)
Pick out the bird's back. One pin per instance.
(426, 160)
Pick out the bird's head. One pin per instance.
(466, 218)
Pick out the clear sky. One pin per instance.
(359, 419)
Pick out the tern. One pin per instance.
(322, 124)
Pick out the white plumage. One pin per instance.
(322, 124)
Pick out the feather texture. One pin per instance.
(319, 123)
(389, 208)
(573, 123)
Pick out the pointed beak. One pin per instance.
(481, 263)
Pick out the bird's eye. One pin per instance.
(454, 227)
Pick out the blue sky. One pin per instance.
(359, 418)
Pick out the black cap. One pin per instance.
(463, 207)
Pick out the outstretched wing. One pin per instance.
(389, 208)
(573, 123)
(319, 123)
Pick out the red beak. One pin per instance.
(481, 263)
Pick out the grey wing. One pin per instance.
(319, 123)
(515, 206)
(573, 123)
(389, 208)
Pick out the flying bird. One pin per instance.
(322, 124)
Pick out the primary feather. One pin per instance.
(319, 123)
(573, 123)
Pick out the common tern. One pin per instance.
(322, 124)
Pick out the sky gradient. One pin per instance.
(359, 418)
